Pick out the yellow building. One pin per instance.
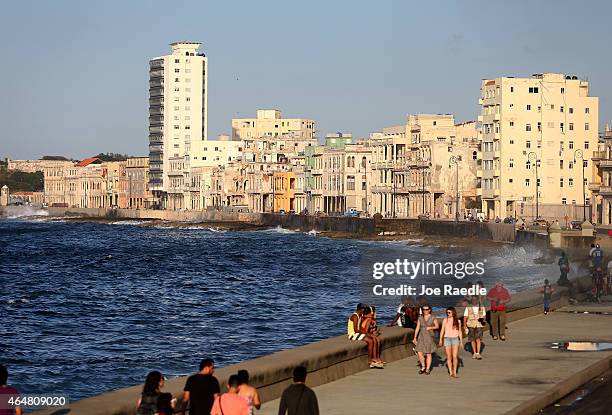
(270, 123)
(537, 133)
(284, 191)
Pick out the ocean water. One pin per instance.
(90, 307)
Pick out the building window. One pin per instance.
(561, 164)
(586, 110)
(511, 141)
(586, 145)
(585, 163)
(511, 164)
(528, 165)
(571, 145)
(561, 182)
(564, 201)
(528, 144)
(527, 127)
(177, 70)
(527, 182)
(570, 182)
(571, 110)
(511, 89)
(563, 90)
(571, 126)
(510, 181)
(528, 107)
(586, 126)
(177, 61)
(176, 80)
(511, 123)
(533, 90)
(561, 108)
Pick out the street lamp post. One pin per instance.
(455, 160)
(578, 154)
(532, 156)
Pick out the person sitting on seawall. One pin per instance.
(6, 392)
(401, 309)
(248, 392)
(298, 399)
(368, 325)
(452, 335)
(147, 404)
(355, 334)
(424, 342)
(230, 403)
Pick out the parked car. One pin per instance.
(576, 224)
(541, 222)
(282, 212)
(352, 212)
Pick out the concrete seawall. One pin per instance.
(327, 360)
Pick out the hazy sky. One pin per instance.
(74, 74)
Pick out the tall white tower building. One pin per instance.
(178, 120)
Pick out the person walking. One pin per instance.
(474, 319)
(248, 392)
(201, 389)
(499, 297)
(230, 403)
(425, 344)
(452, 335)
(547, 291)
(6, 392)
(147, 404)
(298, 399)
(563, 269)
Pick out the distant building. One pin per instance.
(548, 120)
(270, 123)
(178, 121)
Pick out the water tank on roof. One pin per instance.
(574, 77)
(568, 77)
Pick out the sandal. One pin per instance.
(428, 371)
(421, 371)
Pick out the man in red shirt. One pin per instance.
(6, 392)
(499, 297)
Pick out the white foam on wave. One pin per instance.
(129, 222)
(280, 230)
(23, 212)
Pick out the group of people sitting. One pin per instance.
(362, 327)
(202, 395)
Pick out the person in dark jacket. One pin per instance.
(298, 399)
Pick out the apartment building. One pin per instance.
(178, 121)
(270, 123)
(601, 184)
(538, 137)
(134, 184)
(425, 167)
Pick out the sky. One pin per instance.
(74, 74)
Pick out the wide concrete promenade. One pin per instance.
(518, 376)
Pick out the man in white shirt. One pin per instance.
(473, 318)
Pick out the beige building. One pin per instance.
(270, 123)
(548, 121)
(601, 183)
(32, 166)
(178, 121)
(134, 183)
(425, 167)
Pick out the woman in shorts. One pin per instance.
(451, 336)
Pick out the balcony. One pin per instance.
(594, 187)
(156, 138)
(599, 155)
(156, 83)
(605, 190)
(156, 129)
(156, 101)
(158, 73)
(157, 63)
(156, 92)
(605, 163)
(156, 110)
(384, 188)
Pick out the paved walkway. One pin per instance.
(510, 373)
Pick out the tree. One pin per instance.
(62, 158)
(112, 156)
